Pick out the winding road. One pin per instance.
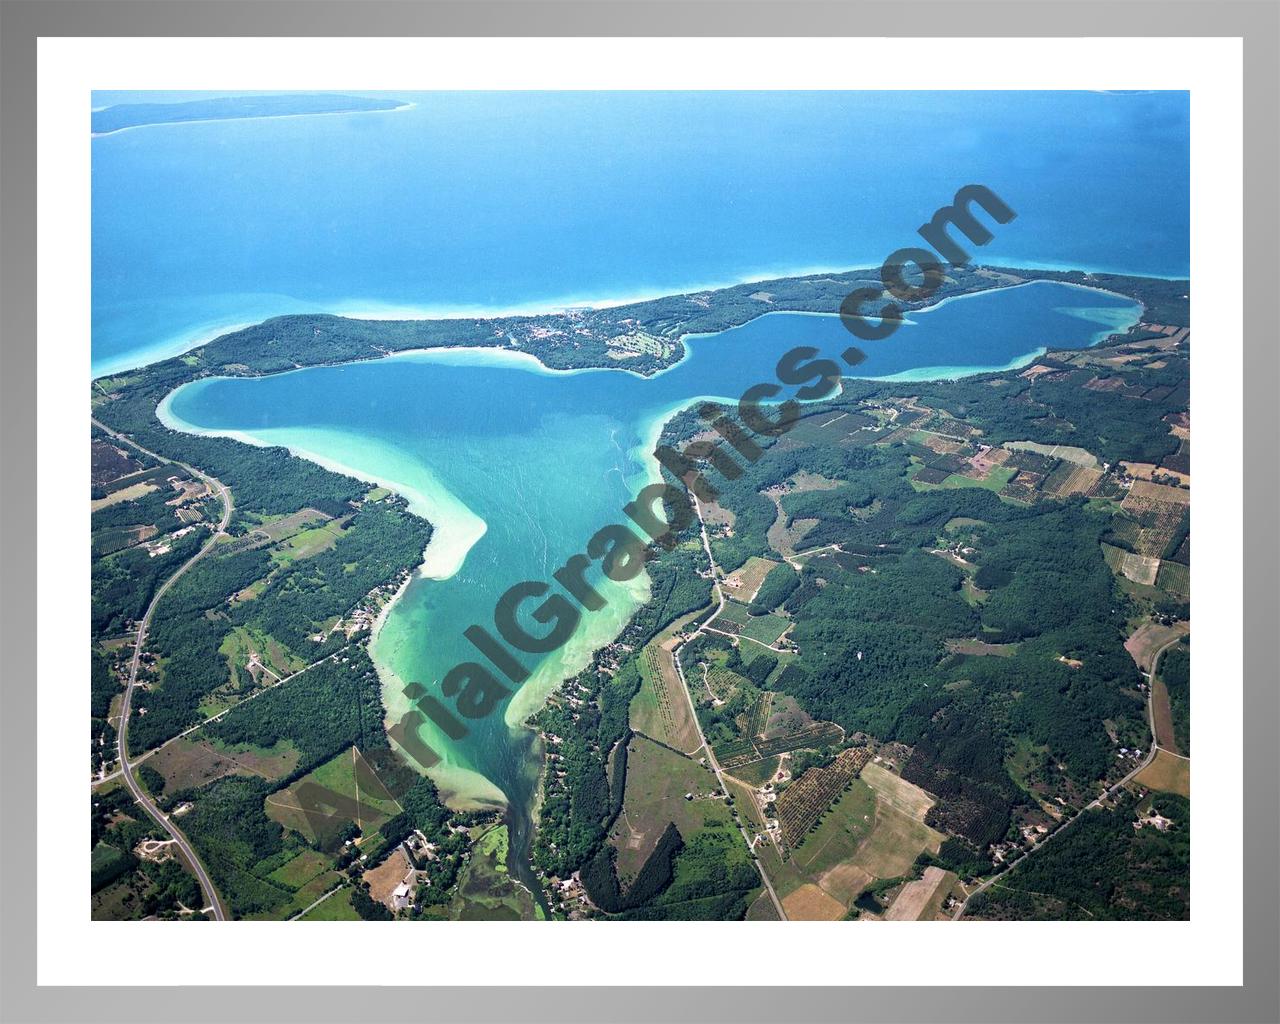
(212, 900)
(1110, 791)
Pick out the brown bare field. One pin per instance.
(809, 903)
(386, 876)
(1162, 716)
(744, 582)
(847, 879)
(187, 764)
(124, 494)
(1080, 480)
(1144, 493)
(897, 792)
(920, 900)
(1149, 638)
(1167, 772)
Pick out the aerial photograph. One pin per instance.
(640, 506)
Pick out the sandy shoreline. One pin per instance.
(456, 529)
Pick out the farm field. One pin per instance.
(809, 797)
(757, 773)
(809, 903)
(897, 792)
(367, 803)
(657, 781)
(744, 582)
(336, 908)
(1078, 456)
(870, 834)
(762, 909)
(1162, 716)
(921, 899)
(660, 708)
(1070, 479)
(745, 801)
(192, 761)
(829, 855)
(1149, 638)
(736, 620)
(1167, 772)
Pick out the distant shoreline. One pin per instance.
(401, 105)
(208, 332)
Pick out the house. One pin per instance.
(400, 896)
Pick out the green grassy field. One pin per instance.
(757, 773)
(657, 781)
(764, 628)
(369, 802)
(336, 908)
(836, 840)
(302, 869)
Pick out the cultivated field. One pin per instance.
(336, 908)
(808, 797)
(1162, 716)
(829, 855)
(1167, 772)
(920, 900)
(1149, 638)
(743, 583)
(762, 909)
(897, 792)
(1078, 456)
(736, 620)
(809, 903)
(660, 709)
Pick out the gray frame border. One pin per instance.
(1256, 21)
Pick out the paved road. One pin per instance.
(1097, 801)
(280, 681)
(126, 767)
(711, 757)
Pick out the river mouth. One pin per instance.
(518, 467)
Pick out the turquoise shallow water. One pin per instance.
(500, 200)
(518, 466)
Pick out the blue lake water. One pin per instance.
(518, 466)
(484, 201)
(522, 200)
